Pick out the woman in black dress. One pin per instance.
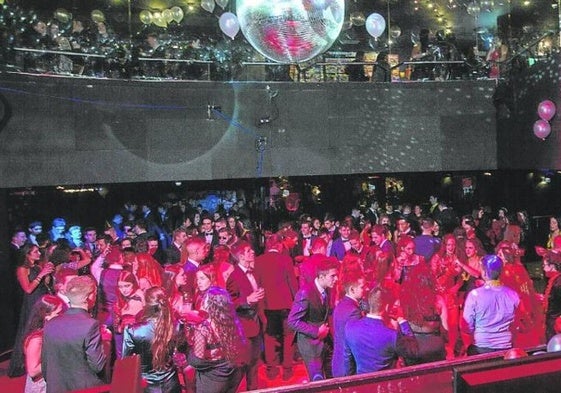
(34, 279)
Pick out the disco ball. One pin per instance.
(291, 31)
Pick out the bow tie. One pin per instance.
(249, 271)
(208, 233)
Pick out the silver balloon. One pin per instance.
(554, 343)
(290, 31)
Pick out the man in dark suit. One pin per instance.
(247, 297)
(275, 272)
(305, 240)
(197, 252)
(374, 345)
(208, 233)
(173, 252)
(347, 309)
(341, 245)
(309, 319)
(72, 355)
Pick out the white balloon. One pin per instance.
(375, 25)
(208, 5)
(229, 24)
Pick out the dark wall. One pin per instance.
(80, 131)
(517, 104)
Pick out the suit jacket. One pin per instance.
(72, 355)
(173, 254)
(214, 241)
(338, 249)
(553, 306)
(239, 287)
(299, 248)
(343, 362)
(375, 346)
(275, 272)
(307, 314)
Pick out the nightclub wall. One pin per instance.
(517, 104)
(57, 130)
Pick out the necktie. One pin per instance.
(323, 297)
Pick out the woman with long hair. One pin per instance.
(426, 312)
(446, 270)
(205, 277)
(515, 276)
(153, 340)
(34, 279)
(473, 253)
(147, 270)
(46, 308)
(406, 259)
(221, 260)
(219, 346)
(174, 278)
(128, 308)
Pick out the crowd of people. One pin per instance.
(205, 303)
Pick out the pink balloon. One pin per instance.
(542, 129)
(546, 110)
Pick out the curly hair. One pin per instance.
(221, 313)
(418, 296)
(158, 308)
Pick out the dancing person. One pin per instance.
(552, 294)
(72, 355)
(275, 272)
(128, 308)
(347, 309)
(153, 340)
(35, 281)
(46, 308)
(426, 312)
(247, 297)
(515, 276)
(308, 317)
(219, 346)
(205, 277)
(447, 271)
(406, 259)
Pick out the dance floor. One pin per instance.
(16, 385)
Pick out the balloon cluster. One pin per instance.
(208, 5)
(546, 111)
(228, 21)
(162, 18)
